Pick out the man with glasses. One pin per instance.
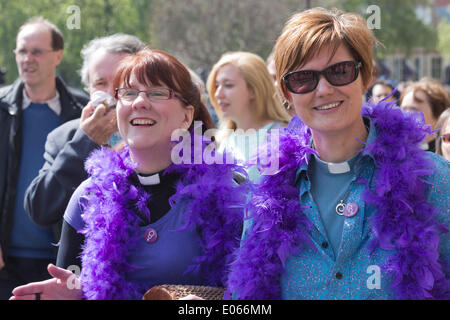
(30, 108)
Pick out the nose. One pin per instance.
(219, 92)
(27, 57)
(141, 101)
(324, 87)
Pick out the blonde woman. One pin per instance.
(246, 101)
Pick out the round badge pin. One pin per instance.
(150, 235)
(350, 210)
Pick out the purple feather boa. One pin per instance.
(405, 221)
(279, 224)
(215, 209)
(280, 228)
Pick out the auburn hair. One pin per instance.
(306, 33)
(153, 67)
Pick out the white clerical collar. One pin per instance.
(53, 103)
(338, 167)
(149, 180)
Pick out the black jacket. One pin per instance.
(66, 149)
(72, 101)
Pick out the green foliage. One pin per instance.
(444, 38)
(200, 31)
(98, 18)
(400, 28)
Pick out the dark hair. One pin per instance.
(156, 67)
(56, 34)
(383, 83)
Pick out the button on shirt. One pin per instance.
(327, 190)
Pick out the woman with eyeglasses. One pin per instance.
(142, 219)
(443, 139)
(357, 209)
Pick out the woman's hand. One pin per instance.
(64, 286)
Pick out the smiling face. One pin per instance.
(328, 108)
(232, 93)
(148, 124)
(36, 71)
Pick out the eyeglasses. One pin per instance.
(34, 52)
(445, 138)
(129, 94)
(339, 74)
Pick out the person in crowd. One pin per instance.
(401, 86)
(429, 98)
(270, 63)
(68, 146)
(443, 135)
(245, 98)
(382, 89)
(138, 205)
(357, 209)
(30, 108)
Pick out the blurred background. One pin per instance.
(415, 33)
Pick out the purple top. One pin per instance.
(161, 262)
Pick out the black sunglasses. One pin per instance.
(339, 74)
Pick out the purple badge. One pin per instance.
(351, 209)
(150, 235)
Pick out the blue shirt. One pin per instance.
(244, 147)
(327, 190)
(28, 240)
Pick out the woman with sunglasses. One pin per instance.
(141, 219)
(357, 209)
(443, 139)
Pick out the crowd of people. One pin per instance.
(361, 185)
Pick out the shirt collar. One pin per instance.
(52, 103)
(370, 139)
(149, 180)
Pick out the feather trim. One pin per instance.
(215, 209)
(404, 221)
